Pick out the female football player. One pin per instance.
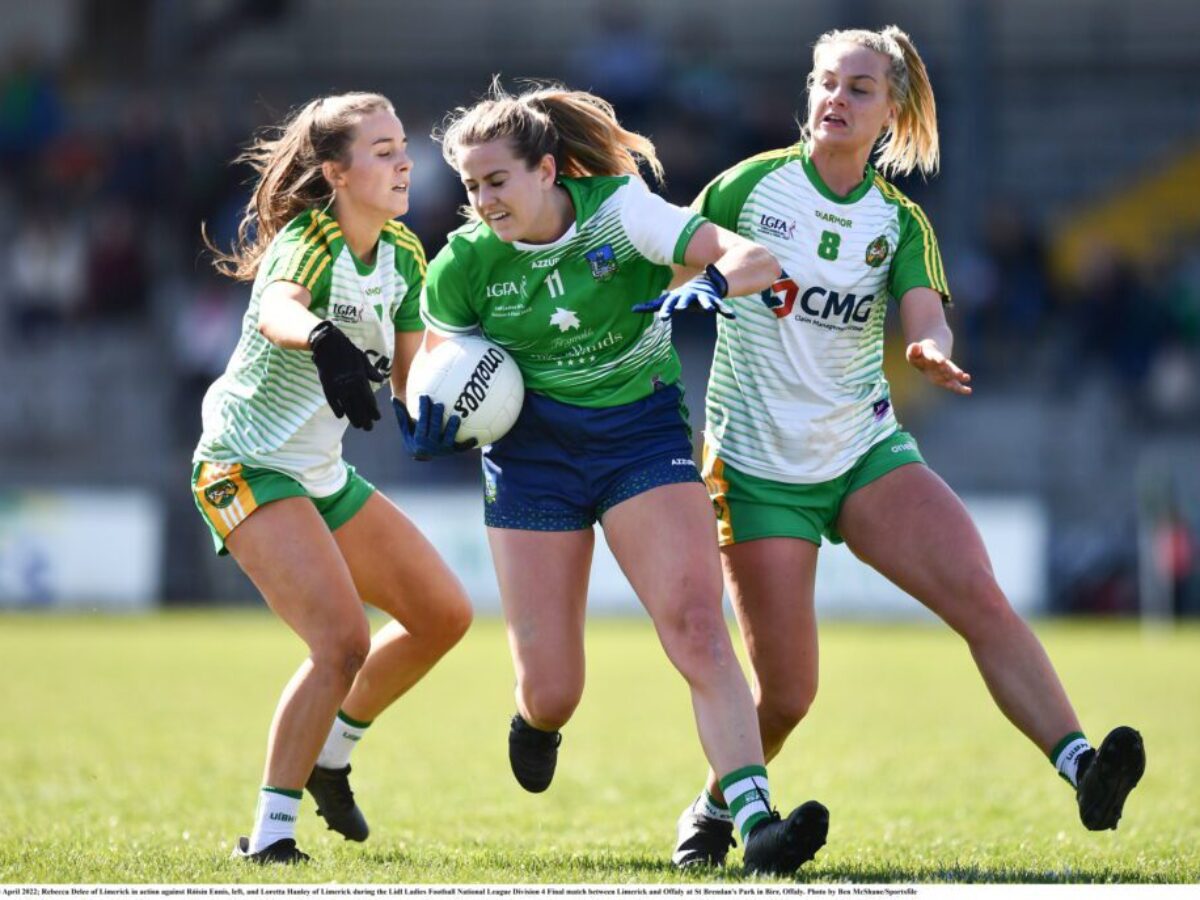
(333, 311)
(802, 441)
(565, 237)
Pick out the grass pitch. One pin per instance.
(132, 747)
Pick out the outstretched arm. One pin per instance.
(930, 340)
(732, 266)
(747, 267)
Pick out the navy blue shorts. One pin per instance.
(562, 467)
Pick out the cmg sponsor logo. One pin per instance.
(818, 303)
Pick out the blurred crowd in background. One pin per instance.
(117, 131)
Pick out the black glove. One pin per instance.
(346, 375)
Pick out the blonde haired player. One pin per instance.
(334, 310)
(802, 441)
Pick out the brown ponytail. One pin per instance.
(287, 160)
(580, 130)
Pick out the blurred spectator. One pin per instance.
(31, 113)
(47, 266)
(118, 277)
(207, 324)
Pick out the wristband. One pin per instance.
(719, 281)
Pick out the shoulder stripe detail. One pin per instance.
(311, 282)
(773, 154)
(410, 243)
(296, 260)
(933, 257)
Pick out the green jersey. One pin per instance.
(797, 393)
(268, 409)
(563, 309)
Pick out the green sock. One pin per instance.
(1065, 756)
(748, 796)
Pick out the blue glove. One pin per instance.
(425, 438)
(707, 290)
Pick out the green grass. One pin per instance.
(131, 749)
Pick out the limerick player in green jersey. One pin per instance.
(334, 309)
(566, 238)
(801, 439)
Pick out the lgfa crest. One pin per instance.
(221, 493)
(603, 262)
(877, 252)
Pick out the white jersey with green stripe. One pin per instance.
(797, 393)
(268, 408)
(563, 309)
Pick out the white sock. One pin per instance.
(275, 817)
(343, 736)
(708, 807)
(1066, 760)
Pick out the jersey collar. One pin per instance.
(567, 235)
(824, 190)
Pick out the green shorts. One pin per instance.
(749, 507)
(227, 493)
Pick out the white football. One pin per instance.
(475, 380)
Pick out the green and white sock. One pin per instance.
(748, 796)
(275, 817)
(343, 736)
(711, 808)
(1066, 754)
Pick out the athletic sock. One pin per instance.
(275, 817)
(343, 736)
(711, 808)
(748, 796)
(1067, 754)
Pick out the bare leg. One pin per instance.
(678, 580)
(289, 554)
(771, 584)
(397, 570)
(913, 529)
(543, 579)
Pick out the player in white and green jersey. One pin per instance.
(335, 309)
(801, 440)
(562, 267)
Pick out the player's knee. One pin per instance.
(697, 639)
(988, 608)
(447, 624)
(549, 704)
(781, 711)
(342, 655)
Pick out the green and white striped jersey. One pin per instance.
(563, 309)
(797, 393)
(268, 409)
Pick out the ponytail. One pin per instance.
(580, 130)
(287, 161)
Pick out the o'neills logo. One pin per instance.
(476, 388)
